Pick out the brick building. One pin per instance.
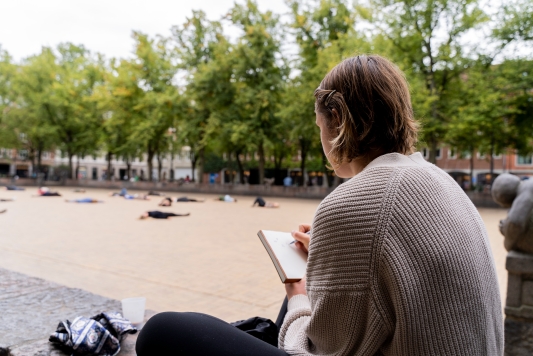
(458, 165)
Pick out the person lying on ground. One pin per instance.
(123, 192)
(157, 194)
(159, 215)
(265, 204)
(136, 196)
(7, 199)
(45, 192)
(185, 200)
(227, 198)
(84, 200)
(14, 187)
(166, 202)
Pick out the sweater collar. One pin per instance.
(398, 160)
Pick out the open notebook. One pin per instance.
(290, 262)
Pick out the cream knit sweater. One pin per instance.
(399, 264)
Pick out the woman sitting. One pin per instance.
(399, 259)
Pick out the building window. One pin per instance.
(425, 153)
(23, 154)
(452, 153)
(438, 153)
(498, 156)
(480, 155)
(524, 160)
(465, 155)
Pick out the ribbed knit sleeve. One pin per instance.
(399, 264)
(341, 318)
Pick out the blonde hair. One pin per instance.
(366, 103)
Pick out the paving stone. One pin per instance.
(32, 308)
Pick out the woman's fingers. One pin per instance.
(301, 246)
(303, 238)
(304, 228)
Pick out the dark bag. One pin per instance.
(261, 328)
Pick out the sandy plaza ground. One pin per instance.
(210, 262)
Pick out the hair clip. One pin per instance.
(329, 96)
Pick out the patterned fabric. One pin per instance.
(99, 335)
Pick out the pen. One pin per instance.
(293, 241)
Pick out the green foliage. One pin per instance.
(426, 42)
(242, 99)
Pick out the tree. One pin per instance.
(324, 34)
(25, 119)
(67, 103)
(116, 100)
(426, 39)
(197, 40)
(7, 73)
(258, 76)
(156, 109)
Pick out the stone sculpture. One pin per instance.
(510, 192)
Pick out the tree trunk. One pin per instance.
(77, 167)
(261, 153)
(201, 160)
(228, 170)
(194, 159)
(70, 155)
(39, 160)
(32, 159)
(491, 164)
(128, 168)
(472, 169)
(325, 181)
(239, 166)
(433, 152)
(109, 167)
(278, 161)
(172, 164)
(159, 167)
(304, 146)
(150, 163)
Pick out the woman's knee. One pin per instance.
(157, 332)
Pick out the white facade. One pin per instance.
(95, 168)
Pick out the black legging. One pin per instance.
(186, 200)
(192, 334)
(161, 215)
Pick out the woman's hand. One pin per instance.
(301, 237)
(295, 288)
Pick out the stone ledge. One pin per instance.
(32, 307)
(519, 262)
(518, 338)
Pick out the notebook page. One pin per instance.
(292, 260)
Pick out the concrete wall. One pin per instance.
(219, 189)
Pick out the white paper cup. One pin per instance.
(133, 310)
